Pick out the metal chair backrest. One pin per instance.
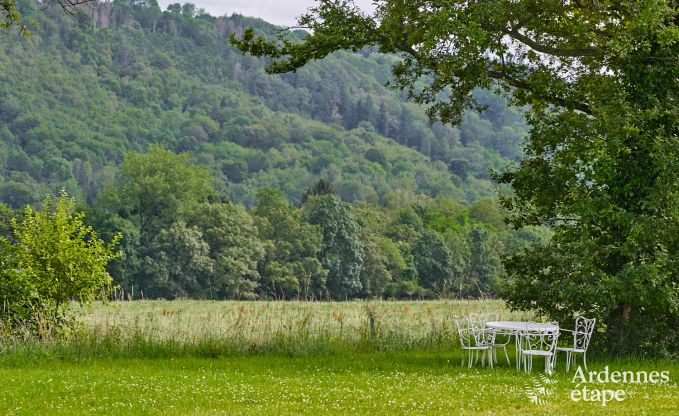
(539, 340)
(469, 336)
(463, 326)
(583, 332)
(478, 320)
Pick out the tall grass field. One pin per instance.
(254, 358)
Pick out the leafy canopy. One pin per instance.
(548, 51)
(55, 258)
(290, 268)
(157, 187)
(231, 235)
(342, 252)
(10, 17)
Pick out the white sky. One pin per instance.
(279, 12)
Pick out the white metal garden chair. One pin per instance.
(582, 334)
(474, 341)
(478, 321)
(540, 343)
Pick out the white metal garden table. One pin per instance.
(516, 327)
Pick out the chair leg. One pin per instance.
(568, 360)
(506, 355)
(518, 352)
(584, 360)
(549, 364)
(527, 363)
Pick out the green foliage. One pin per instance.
(56, 258)
(606, 178)
(6, 215)
(17, 290)
(601, 79)
(320, 188)
(169, 78)
(11, 17)
(159, 140)
(180, 265)
(487, 211)
(148, 202)
(290, 268)
(485, 267)
(156, 187)
(181, 245)
(342, 252)
(433, 261)
(231, 235)
(375, 274)
(325, 248)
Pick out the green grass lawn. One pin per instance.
(367, 383)
(153, 376)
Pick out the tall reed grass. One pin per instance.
(147, 329)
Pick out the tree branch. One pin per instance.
(577, 52)
(518, 83)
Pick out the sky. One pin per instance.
(279, 12)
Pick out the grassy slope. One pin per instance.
(137, 365)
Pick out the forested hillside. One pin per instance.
(226, 182)
(77, 94)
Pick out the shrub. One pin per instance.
(56, 259)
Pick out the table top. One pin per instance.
(521, 326)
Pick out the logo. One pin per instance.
(539, 389)
(588, 385)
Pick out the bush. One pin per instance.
(56, 259)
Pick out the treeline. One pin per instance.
(211, 168)
(76, 96)
(181, 239)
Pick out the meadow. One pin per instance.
(198, 357)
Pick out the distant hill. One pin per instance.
(76, 95)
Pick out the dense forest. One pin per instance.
(227, 182)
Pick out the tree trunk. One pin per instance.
(626, 312)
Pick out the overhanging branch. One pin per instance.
(518, 83)
(549, 50)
